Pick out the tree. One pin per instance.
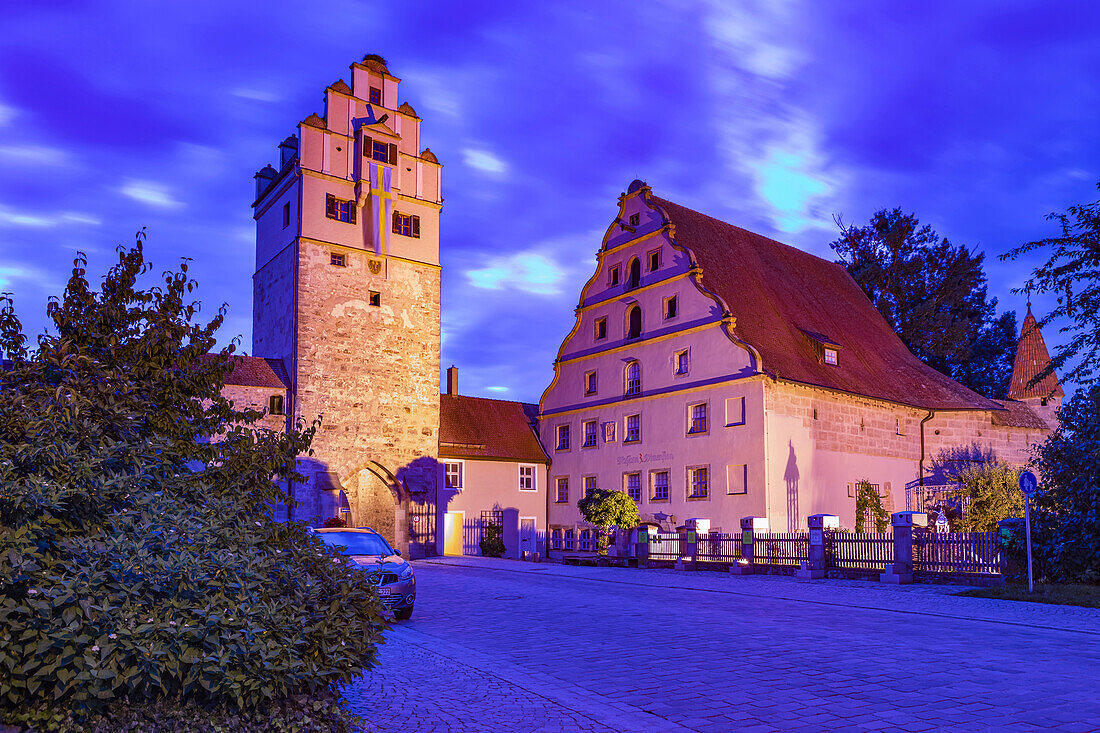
(605, 508)
(869, 505)
(934, 296)
(139, 564)
(1068, 502)
(990, 493)
(1072, 274)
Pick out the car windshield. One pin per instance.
(357, 543)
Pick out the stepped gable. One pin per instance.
(1018, 415)
(480, 428)
(780, 294)
(1031, 359)
(256, 371)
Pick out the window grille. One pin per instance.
(590, 434)
(633, 429)
(698, 418)
(633, 379)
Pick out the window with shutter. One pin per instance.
(330, 206)
(396, 223)
(368, 145)
(380, 151)
(393, 154)
(416, 227)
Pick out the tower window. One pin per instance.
(633, 379)
(634, 219)
(286, 215)
(633, 431)
(697, 418)
(655, 260)
(338, 260)
(635, 277)
(671, 307)
(406, 225)
(590, 432)
(634, 322)
(379, 150)
(275, 405)
(339, 209)
(375, 95)
(563, 437)
(613, 276)
(375, 298)
(682, 362)
(590, 383)
(601, 329)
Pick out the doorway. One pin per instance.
(527, 537)
(452, 532)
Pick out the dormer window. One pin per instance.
(375, 95)
(830, 356)
(828, 351)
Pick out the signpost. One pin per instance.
(1028, 485)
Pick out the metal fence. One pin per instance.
(859, 550)
(781, 548)
(718, 547)
(957, 552)
(667, 546)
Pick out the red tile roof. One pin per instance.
(256, 371)
(476, 427)
(1018, 415)
(1032, 358)
(778, 294)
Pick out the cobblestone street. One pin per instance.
(497, 645)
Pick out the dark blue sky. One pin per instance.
(979, 117)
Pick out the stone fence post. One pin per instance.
(814, 567)
(750, 526)
(691, 551)
(904, 524)
(641, 549)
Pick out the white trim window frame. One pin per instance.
(561, 490)
(659, 490)
(681, 363)
(563, 437)
(527, 477)
(591, 433)
(632, 485)
(454, 474)
(698, 418)
(632, 428)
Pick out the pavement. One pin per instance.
(517, 647)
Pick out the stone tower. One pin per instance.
(1045, 397)
(346, 294)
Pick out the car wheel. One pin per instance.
(403, 614)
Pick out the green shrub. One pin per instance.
(993, 493)
(138, 557)
(869, 505)
(492, 541)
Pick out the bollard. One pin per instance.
(750, 526)
(904, 524)
(814, 567)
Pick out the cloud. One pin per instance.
(791, 178)
(756, 36)
(12, 218)
(155, 194)
(256, 95)
(530, 272)
(483, 160)
(7, 114)
(496, 388)
(77, 218)
(31, 154)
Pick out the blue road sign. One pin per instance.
(1028, 483)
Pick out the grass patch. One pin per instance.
(1065, 595)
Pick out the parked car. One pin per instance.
(384, 566)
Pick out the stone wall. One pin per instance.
(372, 373)
(257, 398)
(273, 308)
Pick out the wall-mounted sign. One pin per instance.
(662, 457)
(609, 432)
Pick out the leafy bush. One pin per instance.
(605, 509)
(138, 557)
(992, 493)
(334, 522)
(1068, 502)
(492, 541)
(869, 504)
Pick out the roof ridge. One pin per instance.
(488, 399)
